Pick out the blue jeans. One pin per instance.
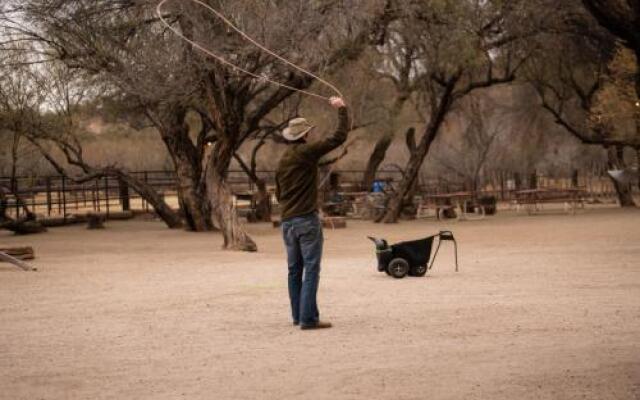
(303, 240)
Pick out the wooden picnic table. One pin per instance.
(532, 199)
(456, 201)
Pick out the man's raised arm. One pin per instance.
(319, 149)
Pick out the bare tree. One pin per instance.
(568, 76)
(236, 105)
(397, 63)
(124, 44)
(19, 102)
(38, 105)
(464, 47)
(468, 155)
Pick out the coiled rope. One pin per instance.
(222, 60)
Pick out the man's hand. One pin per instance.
(337, 102)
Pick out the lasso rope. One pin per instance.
(222, 60)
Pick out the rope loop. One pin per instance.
(222, 60)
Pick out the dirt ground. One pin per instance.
(544, 307)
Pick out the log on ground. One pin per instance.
(21, 253)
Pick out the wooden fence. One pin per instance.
(57, 196)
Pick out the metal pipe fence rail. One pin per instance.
(58, 196)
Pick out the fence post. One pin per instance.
(48, 186)
(59, 199)
(123, 189)
(106, 193)
(64, 199)
(96, 190)
(145, 205)
(533, 180)
(33, 193)
(14, 188)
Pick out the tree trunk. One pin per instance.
(533, 180)
(409, 209)
(638, 71)
(375, 160)
(476, 179)
(261, 197)
(383, 144)
(396, 202)
(151, 196)
(624, 194)
(623, 191)
(517, 179)
(575, 178)
(263, 202)
(225, 216)
(192, 193)
(14, 163)
(223, 211)
(192, 196)
(20, 226)
(638, 164)
(123, 190)
(417, 158)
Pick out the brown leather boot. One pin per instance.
(318, 325)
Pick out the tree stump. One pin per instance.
(95, 221)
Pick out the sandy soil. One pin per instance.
(544, 307)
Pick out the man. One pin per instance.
(297, 193)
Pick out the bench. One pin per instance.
(533, 199)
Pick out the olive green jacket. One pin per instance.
(297, 172)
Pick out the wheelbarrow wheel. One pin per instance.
(420, 270)
(398, 268)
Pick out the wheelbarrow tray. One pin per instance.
(416, 252)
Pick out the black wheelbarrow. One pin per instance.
(412, 257)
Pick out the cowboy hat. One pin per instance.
(297, 128)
